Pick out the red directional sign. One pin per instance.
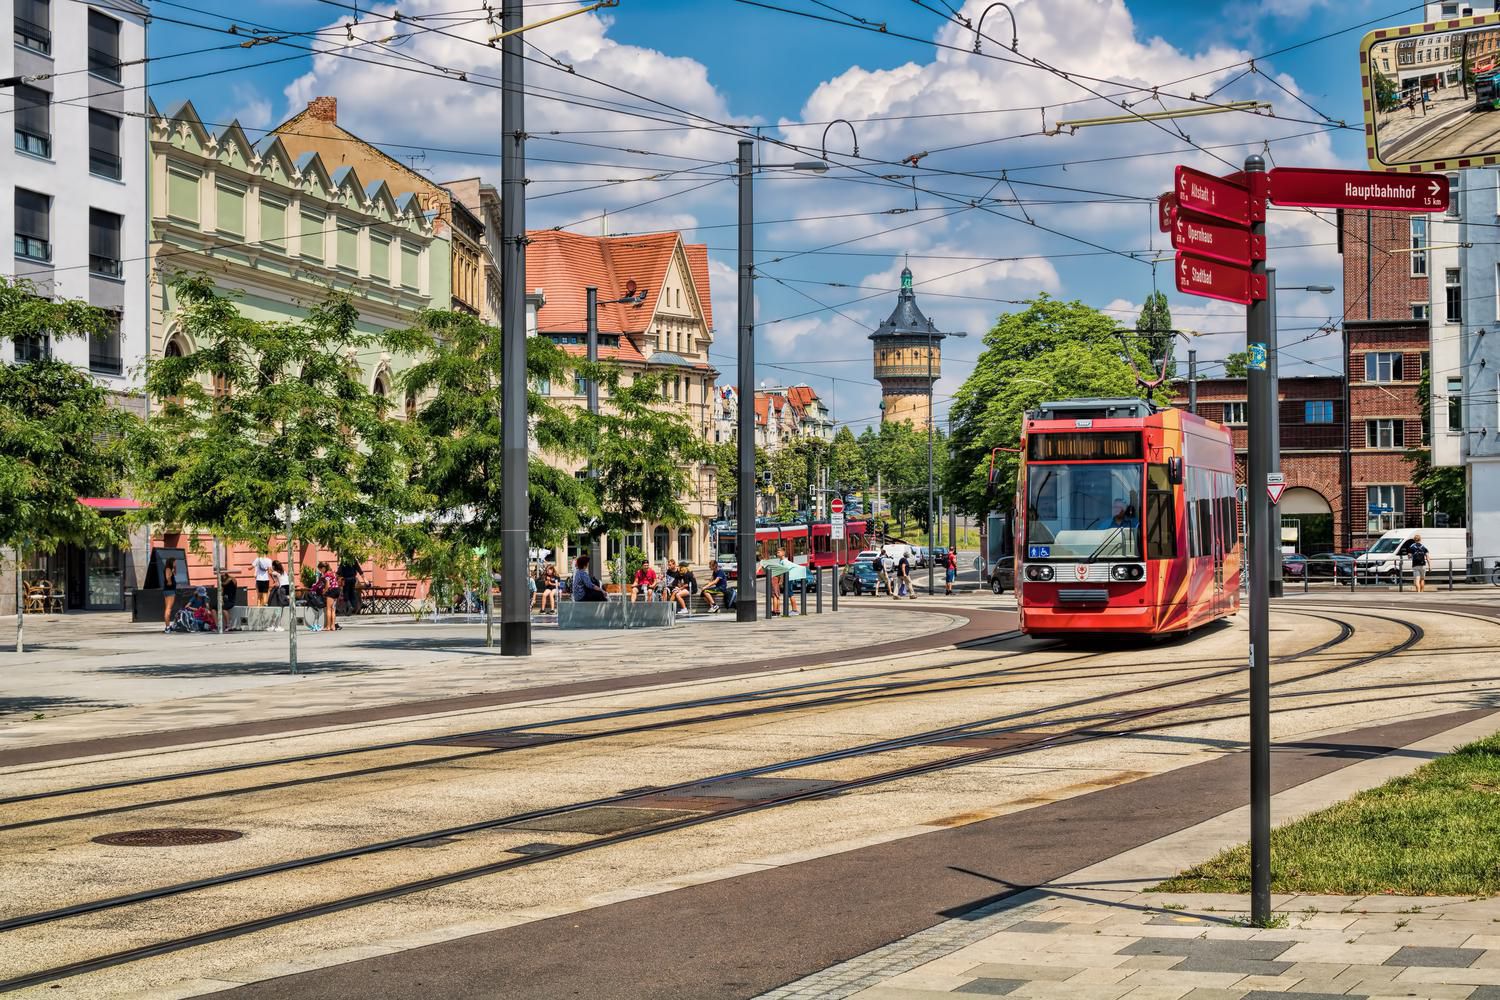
(1166, 207)
(1210, 238)
(836, 505)
(1210, 195)
(1309, 188)
(1217, 280)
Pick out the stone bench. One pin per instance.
(615, 614)
(258, 619)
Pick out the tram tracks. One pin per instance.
(1020, 726)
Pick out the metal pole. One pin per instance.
(1257, 333)
(515, 615)
(291, 590)
(1192, 380)
(1278, 583)
(952, 510)
(820, 590)
(591, 295)
(489, 601)
(931, 539)
(744, 546)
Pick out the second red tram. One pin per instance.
(1126, 520)
(808, 544)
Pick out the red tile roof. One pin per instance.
(563, 264)
(627, 351)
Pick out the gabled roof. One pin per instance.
(697, 255)
(566, 263)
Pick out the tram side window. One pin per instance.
(1205, 526)
(1227, 525)
(1161, 520)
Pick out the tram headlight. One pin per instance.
(1127, 572)
(1040, 573)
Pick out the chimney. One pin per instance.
(324, 109)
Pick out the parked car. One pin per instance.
(1293, 564)
(1331, 567)
(1003, 575)
(859, 577)
(940, 556)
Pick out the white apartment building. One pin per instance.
(1444, 311)
(73, 183)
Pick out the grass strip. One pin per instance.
(1434, 832)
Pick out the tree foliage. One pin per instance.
(270, 417)
(1154, 330)
(896, 457)
(1237, 365)
(61, 437)
(1049, 350)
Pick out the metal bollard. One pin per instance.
(1400, 580)
(770, 608)
(1307, 575)
(802, 598)
(1450, 574)
(820, 590)
(835, 592)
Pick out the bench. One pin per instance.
(615, 614)
(259, 619)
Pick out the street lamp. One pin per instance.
(744, 545)
(931, 526)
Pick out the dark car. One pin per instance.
(858, 578)
(940, 556)
(1294, 564)
(1331, 567)
(1003, 575)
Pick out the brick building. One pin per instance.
(1312, 451)
(1387, 340)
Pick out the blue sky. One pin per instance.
(733, 63)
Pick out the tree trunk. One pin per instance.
(489, 601)
(218, 589)
(20, 601)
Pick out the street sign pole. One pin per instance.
(1273, 380)
(1257, 336)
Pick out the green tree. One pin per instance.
(725, 457)
(896, 456)
(1050, 350)
(268, 428)
(641, 449)
(1154, 330)
(1387, 95)
(846, 463)
(61, 438)
(1444, 488)
(1237, 365)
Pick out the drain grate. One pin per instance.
(600, 820)
(171, 837)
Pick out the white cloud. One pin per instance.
(252, 109)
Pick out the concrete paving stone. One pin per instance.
(1102, 975)
(1325, 921)
(1168, 993)
(1296, 995)
(1320, 986)
(1099, 944)
(1451, 975)
(1151, 962)
(1485, 993)
(1489, 960)
(1347, 954)
(1035, 927)
(1324, 904)
(1000, 970)
(991, 987)
(1207, 993)
(1432, 991)
(1423, 935)
(1448, 958)
(1272, 984)
(1190, 980)
(1368, 974)
(1315, 970)
(1184, 932)
(1244, 966)
(1223, 950)
(1048, 991)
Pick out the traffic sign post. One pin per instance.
(1215, 196)
(1166, 208)
(836, 525)
(1275, 486)
(1214, 279)
(1208, 237)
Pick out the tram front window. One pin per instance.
(1083, 512)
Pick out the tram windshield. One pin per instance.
(1083, 511)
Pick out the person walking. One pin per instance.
(884, 564)
(1418, 553)
(168, 592)
(349, 583)
(262, 568)
(903, 573)
(950, 572)
(585, 586)
(280, 592)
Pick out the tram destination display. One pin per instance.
(1093, 446)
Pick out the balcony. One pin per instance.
(33, 248)
(33, 36)
(34, 143)
(908, 370)
(104, 164)
(106, 267)
(105, 65)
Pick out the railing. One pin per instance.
(33, 36)
(104, 164)
(33, 248)
(105, 65)
(109, 267)
(1442, 574)
(34, 143)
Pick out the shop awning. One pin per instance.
(111, 503)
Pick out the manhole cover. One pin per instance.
(180, 837)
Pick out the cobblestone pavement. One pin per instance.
(1100, 945)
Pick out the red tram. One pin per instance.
(1127, 521)
(808, 544)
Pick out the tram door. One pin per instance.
(1220, 599)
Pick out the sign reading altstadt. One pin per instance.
(1210, 195)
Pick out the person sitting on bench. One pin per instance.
(585, 586)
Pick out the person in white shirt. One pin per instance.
(262, 567)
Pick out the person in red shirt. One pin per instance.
(644, 584)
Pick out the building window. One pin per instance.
(684, 544)
(1452, 212)
(33, 225)
(33, 121)
(1419, 310)
(231, 206)
(1453, 289)
(348, 247)
(410, 258)
(659, 543)
(104, 144)
(1456, 404)
(380, 257)
(1385, 433)
(273, 224)
(104, 350)
(104, 243)
(182, 194)
(312, 236)
(1418, 243)
(1234, 413)
(1386, 508)
(104, 46)
(1383, 366)
(33, 347)
(33, 25)
(1318, 411)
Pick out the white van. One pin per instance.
(1444, 545)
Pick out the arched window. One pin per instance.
(382, 387)
(659, 542)
(174, 348)
(411, 406)
(684, 544)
